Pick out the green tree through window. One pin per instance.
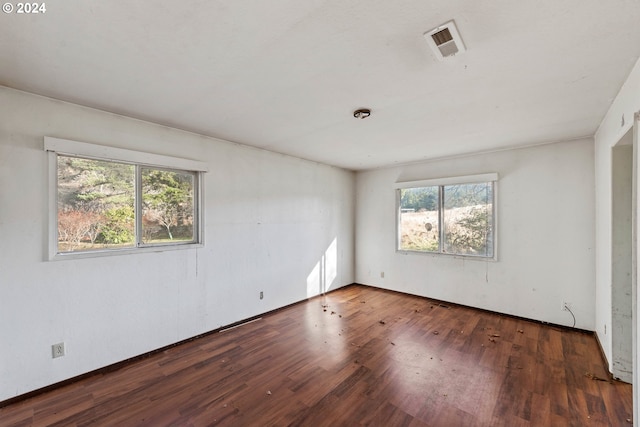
(99, 206)
(167, 205)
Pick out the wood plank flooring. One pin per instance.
(358, 356)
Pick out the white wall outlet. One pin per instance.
(566, 306)
(261, 294)
(57, 350)
(382, 274)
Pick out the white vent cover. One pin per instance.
(445, 40)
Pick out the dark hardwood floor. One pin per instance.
(357, 356)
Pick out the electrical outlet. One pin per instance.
(261, 295)
(382, 274)
(57, 350)
(566, 306)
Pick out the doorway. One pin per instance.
(622, 259)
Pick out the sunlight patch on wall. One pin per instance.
(324, 273)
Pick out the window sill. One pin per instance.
(62, 256)
(440, 254)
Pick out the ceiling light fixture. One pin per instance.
(362, 113)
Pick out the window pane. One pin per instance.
(419, 219)
(167, 206)
(468, 219)
(95, 204)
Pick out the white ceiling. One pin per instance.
(286, 75)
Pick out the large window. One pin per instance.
(119, 203)
(448, 216)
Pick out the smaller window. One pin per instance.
(117, 203)
(420, 219)
(457, 218)
(168, 210)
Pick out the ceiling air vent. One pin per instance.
(445, 40)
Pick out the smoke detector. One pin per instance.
(445, 40)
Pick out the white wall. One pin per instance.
(611, 131)
(273, 223)
(545, 235)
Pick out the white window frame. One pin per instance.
(65, 147)
(440, 182)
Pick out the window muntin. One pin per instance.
(110, 205)
(455, 219)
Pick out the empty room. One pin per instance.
(319, 213)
